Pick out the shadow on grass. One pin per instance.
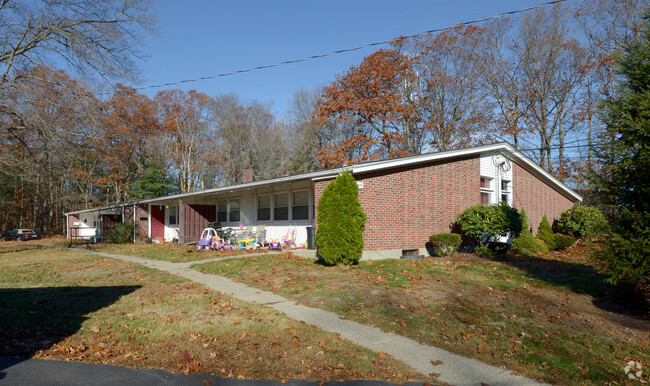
(577, 277)
(34, 319)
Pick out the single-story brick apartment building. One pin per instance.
(406, 200)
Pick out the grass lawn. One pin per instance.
(549, 318)
(168, 252)
(64, 304)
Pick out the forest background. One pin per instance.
(535, 79)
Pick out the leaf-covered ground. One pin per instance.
(550, 318)
(62, 304)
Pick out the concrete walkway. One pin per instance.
(455, 369)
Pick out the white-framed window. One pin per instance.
(264, 207)
(233, 213)
(281, 207)
(487, 190)
(228, 210)
(173, 215)
(222, 211)
(300, 205)
(506, 191)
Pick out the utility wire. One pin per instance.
(349, 49)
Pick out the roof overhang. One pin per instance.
(503, 148)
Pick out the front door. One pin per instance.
(157, 221)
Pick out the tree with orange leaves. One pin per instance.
(369, 103)
(131, 128)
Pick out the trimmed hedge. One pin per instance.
(563, 241)
(545, 233)
(445, 244)
(525, 244)
(341, 221)
(582, 221)
(486, 222)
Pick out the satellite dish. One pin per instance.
(502, 163)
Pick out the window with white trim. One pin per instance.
(173, 215)
(300, 205)
(281, 207)
(222, 211)
(487, 190)
(264, 208)
(233, 213)
(506, 191)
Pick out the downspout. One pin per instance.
(135, 226)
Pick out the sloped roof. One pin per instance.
(503, 148)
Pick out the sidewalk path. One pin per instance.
(455, 369)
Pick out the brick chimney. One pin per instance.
(248, 175)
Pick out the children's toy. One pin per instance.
(207, 238)
(288, 240)
(248, 244)
(273, 244)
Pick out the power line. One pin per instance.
(348, 49)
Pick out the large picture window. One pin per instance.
(281, 206)
(300, 205)
(264, 208)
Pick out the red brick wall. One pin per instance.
(142, 226)
(405, 206)
(537, 198)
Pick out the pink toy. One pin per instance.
(288, 239)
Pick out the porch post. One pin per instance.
(181, 222)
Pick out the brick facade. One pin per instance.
(407, 205)
(142, 226)
(536, 197)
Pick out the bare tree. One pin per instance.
(450, 103)
(97, 35)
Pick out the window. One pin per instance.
(506, 192)
(173, 215)
(234, 210)
(264, 208)
(222, 211)
(300, 205)
(281, 206)
(486, 190)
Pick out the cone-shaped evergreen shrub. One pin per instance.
(545, 233)
(525, 244)
(341, 221)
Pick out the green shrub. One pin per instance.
(563, 241)
(541, 246)
(484, 223)
(627, 260)
(525, 244)
(121, 233)
(445, 244)
(545, 233)
(582, 221)
(341, 221)
(485, 252)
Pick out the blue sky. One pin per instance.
(200, 38)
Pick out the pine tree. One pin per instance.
(545, 233)
(625, 176)
(625, 159)
(341, 221)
